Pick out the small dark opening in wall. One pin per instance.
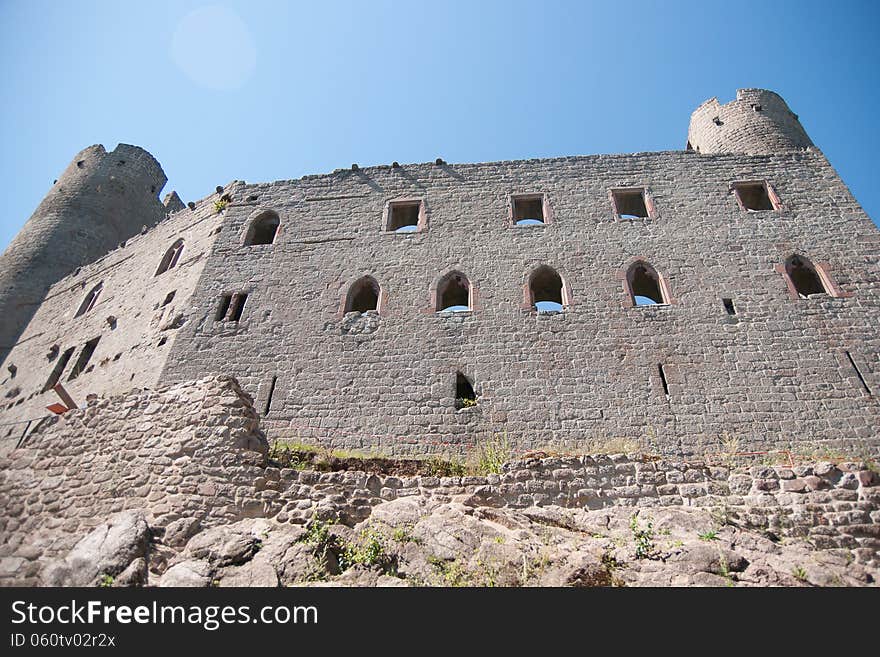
(84, 356)
(464, 392)
(169, 297)
(663, 379)
(728, 306)
(754, 196)
(13, 370)
(162, 340)
(269, 396)
(858, 372)
(222, 307)
(58, 370)
(237, 306)
(404, 217)
(528, 211)
(630, 204)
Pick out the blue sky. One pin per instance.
(262, 90)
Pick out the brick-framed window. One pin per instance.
(453, 290)
(804, 278)
(406, 215)
(524, 210)
(363, 295)
(645, 286)
(633, 203)
(756, 196)
(546, 291)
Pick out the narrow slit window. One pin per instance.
(528, 210)
(269, 396)
(663, 379)
(58, 370)
(84, 357)
(754, 196)
(858, 372)
(90, 300)
(223, 307)
(729, 308)
(263, 229)
(171, 258)
(404, 217)
(464, 392)
(630, 203)
(237, 306)
(169, 297)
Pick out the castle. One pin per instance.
(727, 293)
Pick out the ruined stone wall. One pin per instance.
(136, 330)
(180, 451)
(191, 456)
(775, 375)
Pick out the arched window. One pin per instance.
(546, 290)
(644, 285)
(464, 392)
(90, 300)
(171, 257)
(263, 229)
(363, 295)
(804, 277)
(453, 293)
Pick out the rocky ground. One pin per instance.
(417, 542)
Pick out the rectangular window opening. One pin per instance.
(237, 306)
(728, 306)
(223, 307)
(403, 217)
(630, 204)
(858, 372)
(754, 197)
(663, 379)
(269, 396)
(528, 210)
(84, 356)
(58, 370)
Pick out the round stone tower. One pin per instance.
(100, 200)
(757, 122)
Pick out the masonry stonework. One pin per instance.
(732, 357)
(188, 465)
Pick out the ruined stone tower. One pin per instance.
(758, 121)
(676, 301)
(100, 200)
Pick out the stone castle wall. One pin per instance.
(100, 200)
(192, 457)
(780, 373)
(136, 326)
(775, 375)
